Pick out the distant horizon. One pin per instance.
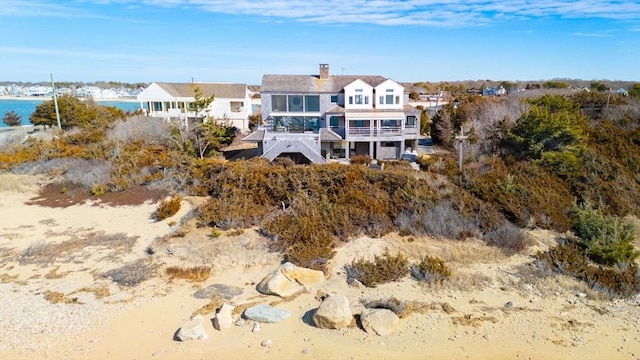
(48, 82)
(238, 41)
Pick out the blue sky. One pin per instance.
(240, 40)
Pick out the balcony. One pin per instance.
(379, 132)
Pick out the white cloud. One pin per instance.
(590, 34)
(442, 13)
(415, 12)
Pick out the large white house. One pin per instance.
(314, 118)
(231, 104)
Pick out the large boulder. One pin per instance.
(192, 330)
(303, 276)
(288, 280)
(266, 314)
(379, 321)
(333, 313)
(224, 317)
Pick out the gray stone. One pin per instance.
(508, 305)
(379, 321)
(448, 308)
(225, 291)
(224, 317)
(192, 329)
(266, 314)
(266, 342)
(333, 313)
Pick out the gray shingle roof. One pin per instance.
(220, 90)
(313, 84)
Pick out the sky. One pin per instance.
(240, 40)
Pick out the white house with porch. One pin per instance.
(316, 118)
(231, 104)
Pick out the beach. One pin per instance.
(59, 302)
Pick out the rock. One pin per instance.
(306, 351)
(508, 305)
(225, 291)
(379, 321)
(192, 329)
(266, 314)
(448, 308)
(224, 317)
(266, 342)
(333, 313)
(303, 276)
(288, 280)
(581, 295)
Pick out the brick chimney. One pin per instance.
(324, 71)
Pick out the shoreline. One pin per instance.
(47, 98)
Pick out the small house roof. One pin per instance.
(219, 90)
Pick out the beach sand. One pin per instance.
(500, 310)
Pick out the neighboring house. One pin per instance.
(314, 118)
(232, 102)
(494, 91)
(622, 91)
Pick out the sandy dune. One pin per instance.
(502, 311)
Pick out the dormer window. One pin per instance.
(388, 98)
(359, 97)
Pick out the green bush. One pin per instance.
(382, 269)
(570, 258)
(607, 239)
(167, 208)
(431, 269)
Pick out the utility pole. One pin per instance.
(608, 97)
(55, 102)
(460, 139)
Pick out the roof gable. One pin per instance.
(313, 84)
(358, 84)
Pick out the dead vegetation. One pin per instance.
(55, 297)
(131, 274)
(192, 274)
(44, 253)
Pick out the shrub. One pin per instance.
(131, 274)
(431, 270)
(607, 239)
(167, 208)
(360, 160)
(569, 258)
(443, 221)
(523, 192)
(382, 269)
(99, 189)
(509, 238)
(11, 118)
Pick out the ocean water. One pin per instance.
(24, 108)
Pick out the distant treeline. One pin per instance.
(463, 86)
